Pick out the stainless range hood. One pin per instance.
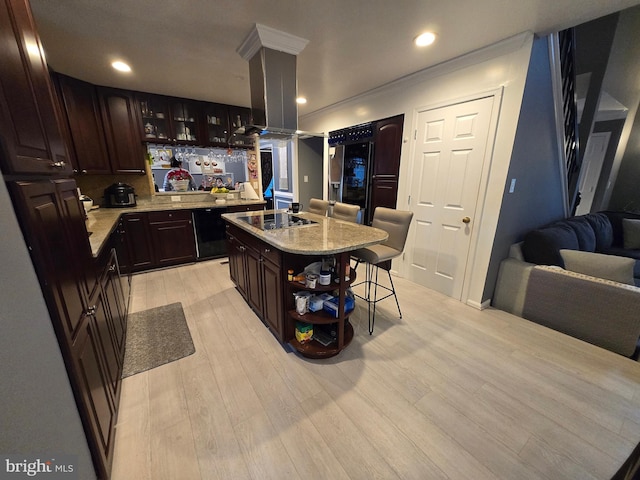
(274, 87)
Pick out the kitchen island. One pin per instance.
(263, 246)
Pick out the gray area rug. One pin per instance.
(155, 337)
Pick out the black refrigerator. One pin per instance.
(350, 167)
(356, 174)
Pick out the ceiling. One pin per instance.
(188, 48)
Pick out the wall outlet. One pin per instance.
(305, 179)
(512, 187)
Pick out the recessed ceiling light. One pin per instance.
(301, 100)
(424, 39)
(121, 66)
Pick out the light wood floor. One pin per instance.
(445, 392)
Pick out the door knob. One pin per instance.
(466, 220)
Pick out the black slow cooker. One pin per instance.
(120, 195)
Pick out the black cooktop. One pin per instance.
(275, 221)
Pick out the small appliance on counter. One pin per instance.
(119, 195)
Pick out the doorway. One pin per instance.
(450, 150)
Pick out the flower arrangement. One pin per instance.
(179, 174)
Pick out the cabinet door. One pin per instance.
(155, 125)
(239, 117)
(136, 227)
(29, 113)
(42, 218)
(117, 300)
(386, 164)
(216, 121)
(108, 339)
(254, 280)
(82, 107)
(172, 237)
(121, 127)
(184, 120)
(272, 295)
(99, 412)
(76, 231)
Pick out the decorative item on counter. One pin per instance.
(290, 275)
(304, 332)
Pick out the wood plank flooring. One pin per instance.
(446, 392)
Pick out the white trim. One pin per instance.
(556, 86)
(263, 36)
(479, 306)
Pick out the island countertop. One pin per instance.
(327, 236)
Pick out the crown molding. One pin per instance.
(263, 36)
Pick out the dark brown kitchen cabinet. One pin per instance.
(135, 228)
(237, 262)
(79, 301)
(50, 224)
(386, 163)
(255, 267)
(239, 117)
(99, 414)
(169, 119)
(29, 113)
(121, 121)
(83, 115)
(216, 122)
(172, 237)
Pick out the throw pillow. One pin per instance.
(611, 267)
(631, 233)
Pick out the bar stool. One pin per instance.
(345, 211)
(396, 223)
(319, 207)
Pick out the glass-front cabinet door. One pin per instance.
(184, 121)
(154, 110)
(239, 117)
(217, 124)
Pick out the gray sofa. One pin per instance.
(590, 299)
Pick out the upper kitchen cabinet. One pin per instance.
(154, 111)
(82, 108)
(239, 117)
(31, 142)
(166, 119)
(216, 131)
(184, 120)
(121, 121)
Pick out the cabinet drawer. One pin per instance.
(169, 216)
(270, 253)
(245, 208)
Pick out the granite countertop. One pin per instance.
(102, 221)
(327, 236)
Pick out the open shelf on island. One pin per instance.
(314, 349)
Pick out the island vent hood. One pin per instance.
(274, 86)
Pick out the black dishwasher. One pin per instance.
(210, 232)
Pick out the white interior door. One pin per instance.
(592, 161)
(447, 166)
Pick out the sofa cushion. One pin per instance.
(584, 232)
(542, 246)
(631, 233)
(610, 267)
(602, 229)
(616, 225)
